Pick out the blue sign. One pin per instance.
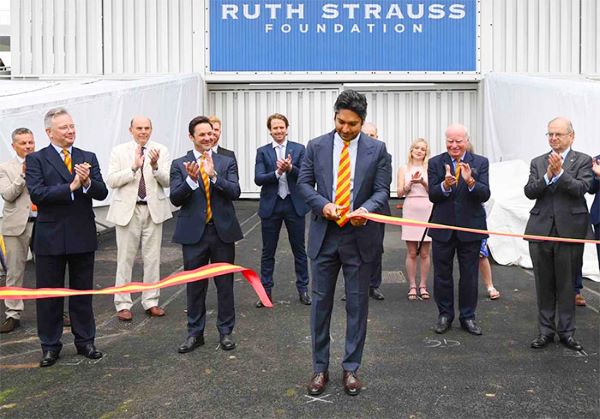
(343, 35)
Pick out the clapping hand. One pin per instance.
(193, 170)
(154, 154)
(554, 165)
(449, 179)
(416, 178)
(83, 172)
(596, 167)
(138, 158)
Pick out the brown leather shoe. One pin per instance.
(579, 300)
(155, 311)
(352, 384)
(9, 325)
(125, 315)
(317, 383)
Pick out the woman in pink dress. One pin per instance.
(412, 184)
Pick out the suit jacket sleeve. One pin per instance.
(97, 189)
(261, 175)
(481, 190)
(307, 180)
(164, 164)
(228, 184)
(39, 192)
(535, 184)
(293, 174)
(436, 174)
(578, 184)
(180, 191)
(10, 191)
(381, 184)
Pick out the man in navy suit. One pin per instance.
(204, 184)
(62, 181)
(595, 210)
(352, 175)
(276, 172)
(458, 186)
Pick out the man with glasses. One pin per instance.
(458, 186)
(558, 181)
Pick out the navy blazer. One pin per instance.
(461, 207)
(65, 222)
(371, 189)
(264, 176)
(190, 219)
(563, 203)
(595, 210)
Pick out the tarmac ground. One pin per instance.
(407, 370)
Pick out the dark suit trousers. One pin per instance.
(377, 276)
(50, 273)
(443, 281)
(597, 236)
(555, 267)
(210, 248)
(339, 250)
(271, 227)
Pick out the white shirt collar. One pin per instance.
(60, 149)
(197, 154)
(20, 159)
(275, 144)
(353, 143)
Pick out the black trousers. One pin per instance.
(210, 248)
(50, 273)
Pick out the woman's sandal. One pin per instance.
(493, 293)
(424, 294)
(412, 294)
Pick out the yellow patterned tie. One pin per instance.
(68, 161)
(206, 182)
(457, 170)
(342, 190)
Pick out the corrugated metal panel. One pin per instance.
(56, 37)
(151, 36)
(538, 36)
(401, 116)
(590, 37)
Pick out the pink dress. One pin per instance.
(416, 206)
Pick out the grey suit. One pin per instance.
(354, 249)
(560, 210)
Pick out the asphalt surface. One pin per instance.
(407, 370)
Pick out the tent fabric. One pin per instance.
(102, 111)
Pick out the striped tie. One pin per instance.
(342, 190)
(457, 170)
(68, 161)
(206, 182)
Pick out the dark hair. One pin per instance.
(352, 101)
(20, 131)
(196, 121)
(277, 116)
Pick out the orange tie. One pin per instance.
(206, 182)
(342, 190)
(68, 161)
(457, 171)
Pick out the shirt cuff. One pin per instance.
(191, 183)
(445, 192)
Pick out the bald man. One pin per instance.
(458, 186)
(138, 174)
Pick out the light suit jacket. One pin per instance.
(16, 198)
(125, 184)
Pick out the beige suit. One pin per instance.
(16, 228)
(137, 223)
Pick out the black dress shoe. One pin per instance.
(191, 343)
(259, 303)
(571, 343)
(471, 327)
(376, 294)
(352, 384)
(89, 351)
(318, 382)
(305, 298)
(443, 325)
(541, 341)
(49, 358)
(227, 344)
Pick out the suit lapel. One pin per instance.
(272, 155)
(571, 157)
(364, 156)
(327, 151)
(57, 162)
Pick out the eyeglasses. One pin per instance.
(557, 134)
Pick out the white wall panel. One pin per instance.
(400, 115)
(56, 37)
(152, 36)
(536, 36)
(590, 37)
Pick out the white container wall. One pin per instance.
(400, 115)
(125, 37)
